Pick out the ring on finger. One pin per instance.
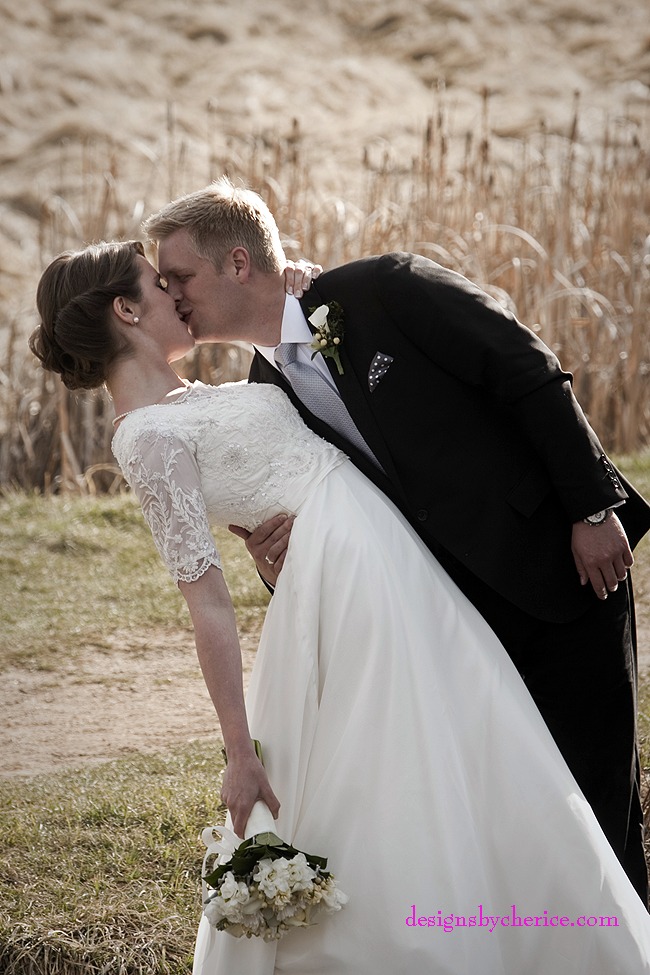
(267, 559)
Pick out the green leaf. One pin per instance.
(262, 846)
(268, 839)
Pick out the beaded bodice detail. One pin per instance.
(232, 454)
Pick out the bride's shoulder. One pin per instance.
(149, 431)
(245, 388)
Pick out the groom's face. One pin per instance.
(204, 296)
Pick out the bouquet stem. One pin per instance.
(259, 821)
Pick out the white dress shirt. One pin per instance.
(295, 329)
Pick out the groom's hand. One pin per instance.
(602, 554)
(268, 545)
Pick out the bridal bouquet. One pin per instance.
(266, 886)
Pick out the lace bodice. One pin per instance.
(232, 454)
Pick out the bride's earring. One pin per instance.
(136, 320)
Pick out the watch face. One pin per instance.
(597, 518)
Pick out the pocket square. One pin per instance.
(378, 369)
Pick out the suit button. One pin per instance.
(423, 514)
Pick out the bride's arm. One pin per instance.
(162, 470)
(219, 654)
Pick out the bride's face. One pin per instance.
(159, 317)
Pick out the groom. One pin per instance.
(466, 420)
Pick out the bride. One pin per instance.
(399, 740)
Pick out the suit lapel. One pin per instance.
(352, 393)
(263, 372)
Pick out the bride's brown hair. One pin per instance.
(76, 337)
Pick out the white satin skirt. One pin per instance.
(404, 746)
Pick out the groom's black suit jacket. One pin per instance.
(484, 447)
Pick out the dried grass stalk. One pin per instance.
(557, 233)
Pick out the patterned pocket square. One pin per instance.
(378, 369)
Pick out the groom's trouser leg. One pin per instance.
(582, 676)
(583, 679)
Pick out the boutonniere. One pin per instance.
(328, 322)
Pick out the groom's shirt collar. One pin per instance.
(295, 329)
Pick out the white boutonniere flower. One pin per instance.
(328, 322)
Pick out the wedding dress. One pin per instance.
(396, 732)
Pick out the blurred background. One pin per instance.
(509, 141)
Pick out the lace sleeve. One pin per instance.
(162, 471)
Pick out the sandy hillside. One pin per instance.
(154, 91)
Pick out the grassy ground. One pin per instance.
(100, 868)
(78, 569)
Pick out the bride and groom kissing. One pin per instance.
(482, 445)
(376, 675)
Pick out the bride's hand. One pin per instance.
(298, 276)
(244, 782)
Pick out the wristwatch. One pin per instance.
(598, 518)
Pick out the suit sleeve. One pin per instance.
(467, 334)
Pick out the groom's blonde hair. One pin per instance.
(217, 219)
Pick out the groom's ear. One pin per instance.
(240, 263)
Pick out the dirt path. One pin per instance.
(110, 705)
(118, 703)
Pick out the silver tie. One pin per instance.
(318, 396)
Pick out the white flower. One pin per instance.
(298, 920)
(332, 896)
(213, 910)
(301, 874)
(318, 318)
(327, 321)
(272, 877)
(234, 890)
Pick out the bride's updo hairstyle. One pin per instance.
(76, 337)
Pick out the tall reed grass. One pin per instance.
(556, 231)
